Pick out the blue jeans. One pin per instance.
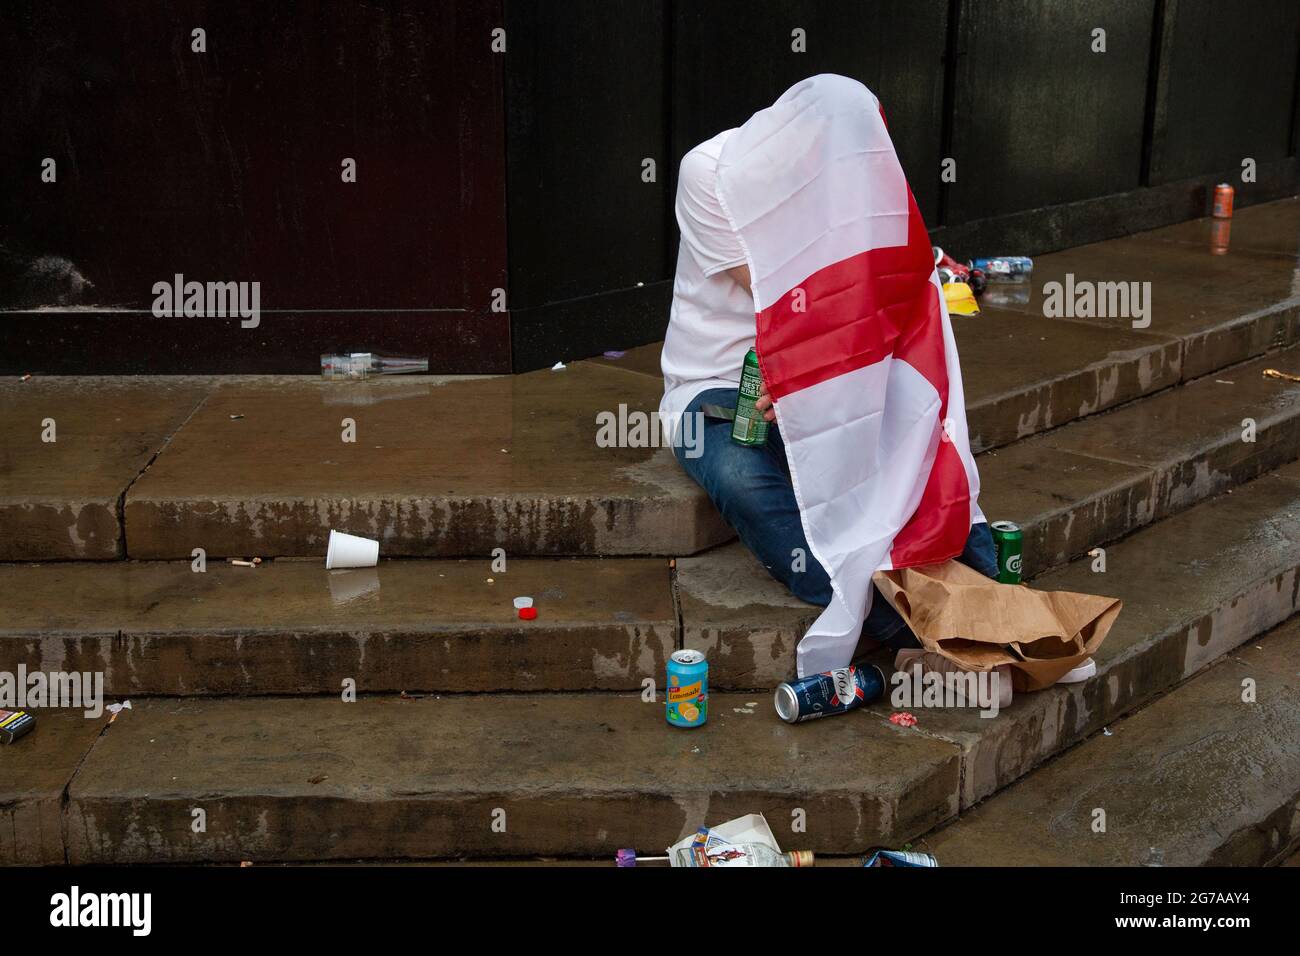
(751, 487)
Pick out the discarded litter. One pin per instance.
(900, 858)
(358, 366)
(960, 299)
(687, 700)
(1005, 268)
(25, 377)
(1222, 208)
(1009, 540)
(614, 354)
(1274, 373)
(834, 692)
(627, 857)
(528, 613)
(523, 601)
(902, 719)
(235, 417)
(1106, 732)
(558, 367)
(950, 270)
(241, 563)
(745, 841)
(351, 551)
(115, 710)
(15, 723)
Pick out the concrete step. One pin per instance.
(1098, 479)
(62, 498)
(1208, 775)
(285, 778)
(1195, 586)
(568, 775)
(1222, 308)
(457, 467)
(291, 627)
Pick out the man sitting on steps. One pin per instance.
(712, 327)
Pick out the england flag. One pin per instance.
(854, 343)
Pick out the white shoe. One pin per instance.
(906, 659)
(1085, 671)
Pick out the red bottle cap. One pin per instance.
(527, 613)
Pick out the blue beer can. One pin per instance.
(688, 689)
(1005, 268)
(834, 692)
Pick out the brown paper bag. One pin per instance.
(980, 624)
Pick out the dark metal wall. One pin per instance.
(1055, 144)
(524, 170)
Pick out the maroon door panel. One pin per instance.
(227, 165)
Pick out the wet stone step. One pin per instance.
(37, 769)
(1224, 309)
(1208, 775)
(1098, 479)
(496, 776)
(454, 468)
(69, 448)
(1194, 586)
(292, 627)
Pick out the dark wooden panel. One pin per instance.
(226, 165)
(585, 106)
(1230, 86)
(731, 59)
(1039, 118)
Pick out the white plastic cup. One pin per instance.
(350, 551)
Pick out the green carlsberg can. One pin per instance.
(749, 428)
(1010, 542)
